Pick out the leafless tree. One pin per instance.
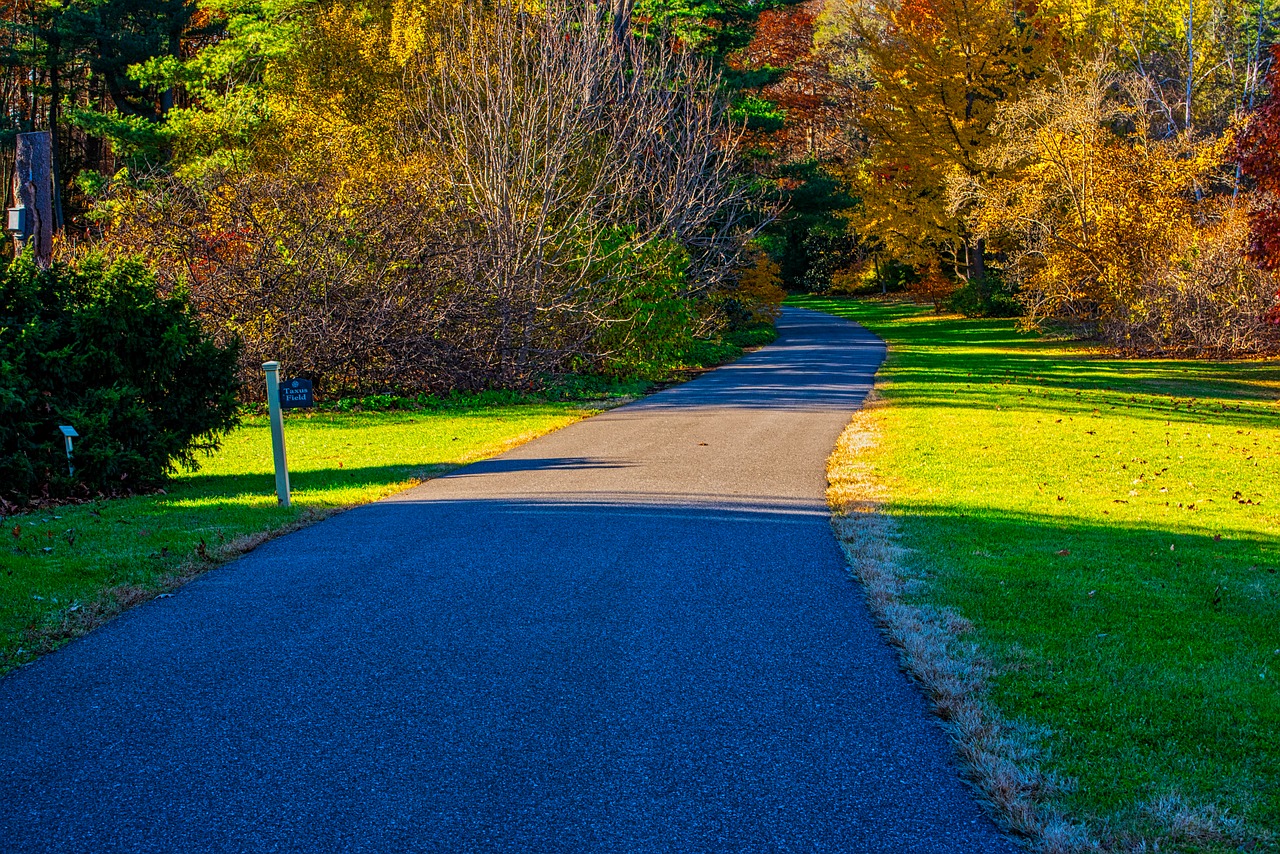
(585, 169)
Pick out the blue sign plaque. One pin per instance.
(296, 393)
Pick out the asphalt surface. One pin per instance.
(635, 634)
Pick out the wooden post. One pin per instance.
(33, 190)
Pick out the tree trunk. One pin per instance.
(55, 141)
(33, 190)
(976, 253)
(622, 20)
(167, 97)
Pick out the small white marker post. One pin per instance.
(272, 370)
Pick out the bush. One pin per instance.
(97, 347)
(1204, 298)
(932, 287)
(756, 297)
(758, 336)
(990, 298)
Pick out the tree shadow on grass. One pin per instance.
(932, 349)
(316, 483)
(1147, 653)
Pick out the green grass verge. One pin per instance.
(65, 569)
(1112, 528)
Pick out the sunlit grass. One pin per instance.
(61, 563)
(1112, 527)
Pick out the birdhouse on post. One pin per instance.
(16, 223)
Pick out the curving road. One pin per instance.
(635, 634)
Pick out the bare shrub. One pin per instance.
(1206, 298)
(592, 179)
(337, 279)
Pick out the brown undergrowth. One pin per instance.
(934, 646)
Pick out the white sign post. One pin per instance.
(272, 370)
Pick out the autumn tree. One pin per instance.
(1258, 152)
(793, 109)
(936, 72)
(1132, 237)
(795, 80)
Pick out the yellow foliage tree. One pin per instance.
(937, 71)
(759, 288)
(1116, 232)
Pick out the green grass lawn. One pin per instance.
(64, 569)
(1112, 529)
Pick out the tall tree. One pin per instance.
(936, 70)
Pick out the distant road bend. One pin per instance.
(635, 634)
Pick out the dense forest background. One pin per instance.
(441, 195)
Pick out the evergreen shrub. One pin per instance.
(98, 348)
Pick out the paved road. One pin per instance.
(636, 634)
